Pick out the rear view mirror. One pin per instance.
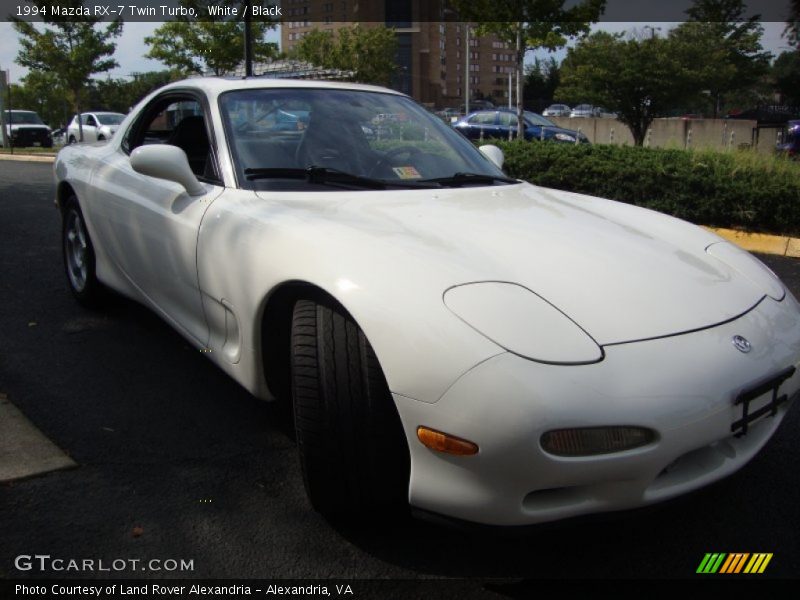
(166, 162)
(494, 154)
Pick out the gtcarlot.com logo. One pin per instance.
(734, 563)
(45, 562)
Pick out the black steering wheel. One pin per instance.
(387, 157)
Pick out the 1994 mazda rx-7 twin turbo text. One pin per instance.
(450, 338)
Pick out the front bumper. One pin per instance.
(683, 387)
(24, 137)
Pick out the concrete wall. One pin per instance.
(719, 134)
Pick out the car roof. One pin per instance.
(218, 85)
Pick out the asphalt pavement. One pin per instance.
(176, 461)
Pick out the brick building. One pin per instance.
(431, 46)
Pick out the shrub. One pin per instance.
(720, 189)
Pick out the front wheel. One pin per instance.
(353, 451)
(79, 257)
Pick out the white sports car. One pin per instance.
(450, 338)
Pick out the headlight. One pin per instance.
(750, 267)
(564, 137)
(520, 321)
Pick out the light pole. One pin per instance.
(468, 77)
(248, 40)
(652, 30)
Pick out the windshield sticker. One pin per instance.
(406, 172)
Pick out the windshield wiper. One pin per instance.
(459, 179)
(327, 175)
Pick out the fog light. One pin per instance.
(444, 442)
(588, 441)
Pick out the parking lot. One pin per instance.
(176, 461)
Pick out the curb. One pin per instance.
(29, 157)
(780, 245)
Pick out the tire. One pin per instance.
(353, 450)
(101, 138)
(71, 140)
(79, 257)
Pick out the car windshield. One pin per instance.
(23, 117)
(535, 119)
(369, 140)
(109, 118)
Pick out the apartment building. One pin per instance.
(432, 46)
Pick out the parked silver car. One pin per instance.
(556, 110)
(97, 126)
(589, 110)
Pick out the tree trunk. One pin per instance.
(639, 131)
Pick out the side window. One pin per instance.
(90, 121)
(179, 122)
(482, 118)
(508, 119)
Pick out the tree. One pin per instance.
(639, 79)
(792, 31)
(542, 79)
(41, 91)
(69, 50)
(209, 42)
(369, 52)
(531, 24)
(724, 47)
(120, 95)
(786, 74)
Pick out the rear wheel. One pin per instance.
(79, 257)
(353, 451)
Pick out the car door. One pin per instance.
(481, 124)
(151, 225)
(507, 122)
(89, 128)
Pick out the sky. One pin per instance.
(131, 48)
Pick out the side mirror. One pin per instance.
(166, 162)
(493, 153)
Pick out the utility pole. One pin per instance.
(468, 76)
(520, 59)
(3, 84)
(248, 40)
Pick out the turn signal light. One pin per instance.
(588, 441)
(444, 442)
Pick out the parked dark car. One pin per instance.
(791, 142)
(497, 124)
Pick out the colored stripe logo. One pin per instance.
(735, 562)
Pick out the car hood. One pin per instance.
(622, 273)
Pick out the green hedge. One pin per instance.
(737, 189)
